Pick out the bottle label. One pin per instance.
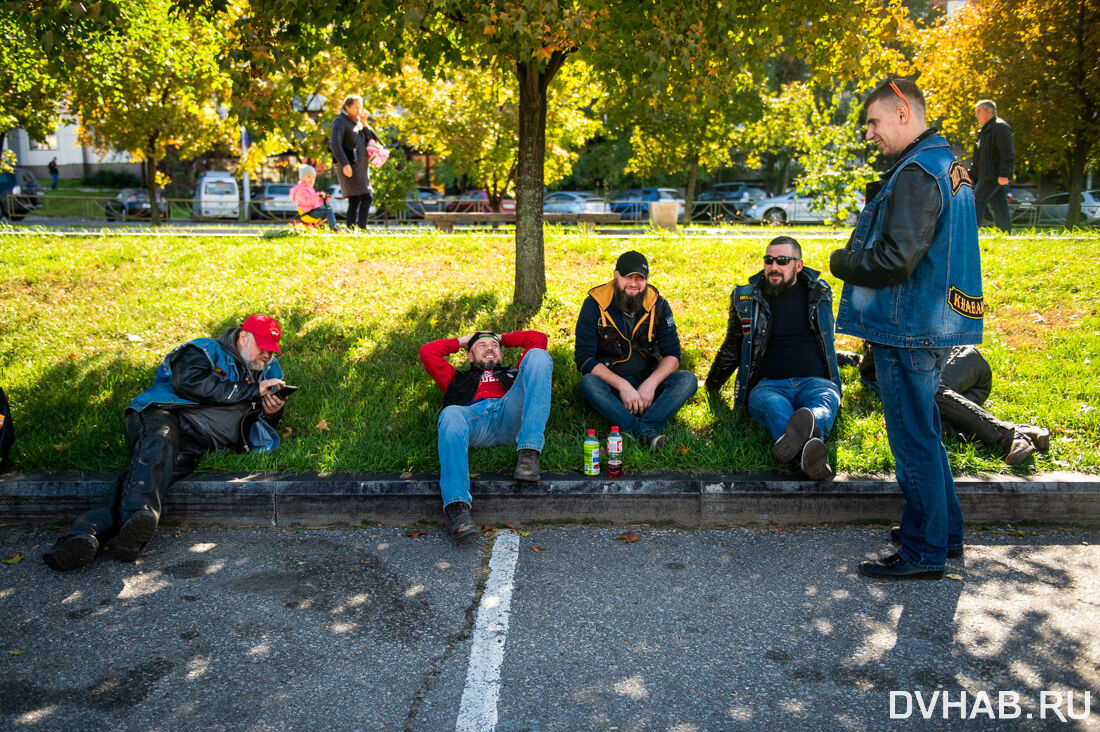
(591, 459)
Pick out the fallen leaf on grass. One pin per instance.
(415, 533)
(13, 558)
(61, 446)
(322, 426)
(15, 652)
(134, 338)
(536, 548)
(683, 450)
(629, 537)
(952, 575)
(287, 431)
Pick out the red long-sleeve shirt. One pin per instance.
(434, 357)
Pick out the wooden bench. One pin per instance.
(445, 221)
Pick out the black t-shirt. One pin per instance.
(792, 349)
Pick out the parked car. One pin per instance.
(424, 199)
(133, 203)
(633, 203)
(725, 201)
(790, 208)
(19, 194)
(216, 197)
(574, 202)
(478, 200)
(1054, 209)
(1022, 201)
(272, 201)
(339, 204)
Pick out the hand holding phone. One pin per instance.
(285, 390)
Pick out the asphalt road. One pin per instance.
(563, 628)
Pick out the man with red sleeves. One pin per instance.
(485, 405)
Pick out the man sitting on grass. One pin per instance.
(488, 404)
(312, 208)
(207, 395)
(628, 351)
(780, 341)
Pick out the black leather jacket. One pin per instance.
(994, 152)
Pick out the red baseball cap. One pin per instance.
(265, 329)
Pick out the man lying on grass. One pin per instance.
(207, 395)
(488, 404)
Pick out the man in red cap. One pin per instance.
(208, 395)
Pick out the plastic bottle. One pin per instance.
(615, 454)
(591, 454)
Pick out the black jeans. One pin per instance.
(359, 210)
(993, 194)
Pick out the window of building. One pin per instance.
(50, 143)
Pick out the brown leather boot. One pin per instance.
(527, 465)
(1017, 448)
(1039, 436)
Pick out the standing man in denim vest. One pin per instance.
(779, 340)
(488, 404)
(207, 395)
(913, 287)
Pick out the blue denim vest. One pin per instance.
(261, 436)
(752, 308)
(941, 304)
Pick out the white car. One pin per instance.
(790, 208)
(574, 202)
(339, 204)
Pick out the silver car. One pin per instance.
(791, 208)
(1054, 209)
(574, 202)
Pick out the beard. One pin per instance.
(777, 289)
(485, 364)
(629, 304)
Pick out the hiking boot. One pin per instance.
(527, 465)
(1018, 449)
(462, 525)
(1039, 436)
(71, 552)
(652, 439)
(134, 535)
(815, 460)
(800, 427)
(895, 538)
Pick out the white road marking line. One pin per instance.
(478, 710)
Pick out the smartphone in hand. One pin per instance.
(285, 390)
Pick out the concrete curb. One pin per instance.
(318, 499)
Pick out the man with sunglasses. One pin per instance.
(487, 404)
(913, 288)
(780, 341)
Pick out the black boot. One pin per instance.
(91, 530)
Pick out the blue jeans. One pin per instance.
(672, 393)
(932, 521)
(323, 212)
(773, 401)
(520, 416)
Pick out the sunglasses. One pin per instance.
(781, 261)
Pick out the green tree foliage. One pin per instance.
(469, 117)
(157, 84)
(1040, 62)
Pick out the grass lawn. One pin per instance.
(84, 321)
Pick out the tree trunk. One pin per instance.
(151, 180)
(1078, 159)
(530, 257)
(693, 177)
